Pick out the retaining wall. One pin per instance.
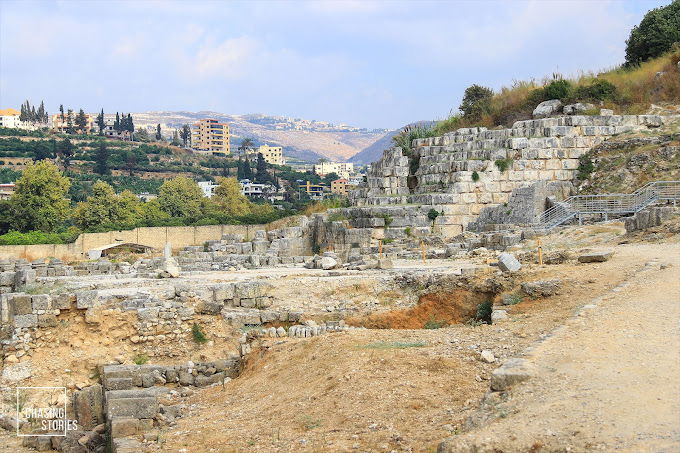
(155, 237)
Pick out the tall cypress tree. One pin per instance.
(100, 122)
(130, 124)
(69, 122)
(41, 113)
(116, 124)
(158, 132)
(101, 160)
(34, 115)
(61, 109)
(81, 122)
(262, 175)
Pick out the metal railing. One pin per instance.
(607, 204)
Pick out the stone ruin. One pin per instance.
(463, 173)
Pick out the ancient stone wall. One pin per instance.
(462, 172)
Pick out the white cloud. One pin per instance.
(227, 60)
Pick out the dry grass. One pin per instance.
(637, 89)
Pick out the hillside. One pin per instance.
(373, 152)
(303, 139)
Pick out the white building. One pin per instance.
(9, 118)
(342, 169)
(208, 188)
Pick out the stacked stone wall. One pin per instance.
(462, 172)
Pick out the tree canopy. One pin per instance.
(655, 35)
(39, 201)
(180, 197)
(229, 199)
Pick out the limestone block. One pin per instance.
(7, 278)
(595, 257)
(508, 263)
(88, 405)
(24, 321)
(143, 407)
(547, 108)
(21, 304)
(512, 372)
(87, 299)
(47, 320)
(41, 302)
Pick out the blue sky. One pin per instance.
(368, 64)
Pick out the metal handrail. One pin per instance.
(615, 203)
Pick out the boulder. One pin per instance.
(575, 109)
(508, 263)
(498, 316)
(512, 372)
(169, 268)
(542, 288)
(328, 263)
(595, 257)
(487, 356)
(547, 108)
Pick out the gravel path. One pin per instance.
(608, 380)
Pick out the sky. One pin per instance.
(380, 64)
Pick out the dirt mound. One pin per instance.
(444, 308)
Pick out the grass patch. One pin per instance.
(309, 422)
(337, 217)
(434, 324)
(393, 345)
(503, 164)
(512, 299)
(387, 241)
(198, 335)
(140, 359)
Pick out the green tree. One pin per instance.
(130, 125)
(185, 134)
(656, 34)
(175, 139)
(43, 150)
(39, 201)
(103, 206)
(69, 122)
(116, 123)
(229, 199)
(101, 160)
(152, 214)
(246, 144)
(101, 123)
(61, 111)
(42, 114)
(262, 176)
(476, 101)
(65, 152)
(158, 132)
(81, 122)
(130, 162)
(180, 197)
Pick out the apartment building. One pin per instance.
(339, 186)
(271, 154)
(7, 190)
(342, 169)
(208, 188)
(61, 125)
(210, 136)
(9, 118)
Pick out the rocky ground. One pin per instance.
(408, 389)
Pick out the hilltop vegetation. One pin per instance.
(650, 75)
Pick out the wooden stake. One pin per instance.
(540, 252)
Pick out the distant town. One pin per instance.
(207, 146)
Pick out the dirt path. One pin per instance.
(607, 381)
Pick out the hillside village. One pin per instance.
(501, 280)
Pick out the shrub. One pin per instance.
(483, 313)
(476, 101)
(39, 237)
(404, 139)
(585, 167)
(598, 90)
(387, 241)
(432, 214)
(198, 335)
(503, 164)
(408, 232)
(475, 176)
(388, 220)
(557, 89)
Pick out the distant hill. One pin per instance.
(374, 151)
(307, 140)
